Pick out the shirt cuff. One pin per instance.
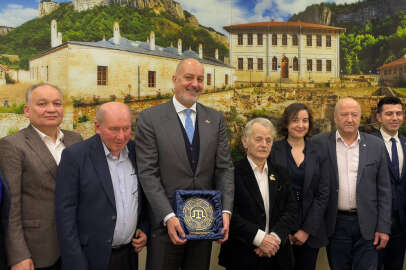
(168, 216)
(226, 211)
(274, 234)
(259, 237)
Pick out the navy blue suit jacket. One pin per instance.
(398, 184)
(316, 192)
(85, 206)
(4, 213)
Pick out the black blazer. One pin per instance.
(315, 191)
(4, 214)
(85, 206)
(249, 216)
(398, 184)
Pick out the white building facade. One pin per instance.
(285, 52)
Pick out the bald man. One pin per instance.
(182, 144)
(98, 198)
(359, 211)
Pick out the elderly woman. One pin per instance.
(264, 208)
(308, 182)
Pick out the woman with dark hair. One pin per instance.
(309, 183)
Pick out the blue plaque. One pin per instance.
(200, 213)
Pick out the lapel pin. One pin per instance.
(364, 145)
(207, 121)
(272, 177)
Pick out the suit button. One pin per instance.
(337, 190)
(108, 242)
(113, 217)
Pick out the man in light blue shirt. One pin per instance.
(98, 200)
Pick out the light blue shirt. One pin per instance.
(125, 185)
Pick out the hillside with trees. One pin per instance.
(34, 36)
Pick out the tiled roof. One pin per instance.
(142, 48)
(274, 24)
(400, 61)
(4, 67)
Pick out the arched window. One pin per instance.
(274, 63)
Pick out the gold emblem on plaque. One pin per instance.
(198, 215)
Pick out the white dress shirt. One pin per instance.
(56, 147)
(262, 181)
(386, 138)
(347, 164)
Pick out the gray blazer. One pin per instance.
(374, 197)
(30, 172)
(162, 161)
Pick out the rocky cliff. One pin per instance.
(361, 12)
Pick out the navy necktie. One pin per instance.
(190, 130)
(395, 158)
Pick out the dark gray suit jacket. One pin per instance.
(163, 164)
(373, 191)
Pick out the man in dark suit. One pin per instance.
(390, 117)
(29, 162)
(182, 144)
(264, 207)
(359, 210)
(4, 212)
(98, 197)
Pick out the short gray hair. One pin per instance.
(35, 86)
(263, 122)
(342, 100)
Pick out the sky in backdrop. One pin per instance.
(212, 13)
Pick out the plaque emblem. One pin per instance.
(198, 215)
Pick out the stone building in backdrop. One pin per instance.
(285, 52)
(119, 67)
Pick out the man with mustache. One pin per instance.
(359, 210)
(29, 162)
(390, 118)
(182, 144)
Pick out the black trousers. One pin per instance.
(55, 266)
(123, 258)
(391, 257)
(305, 257)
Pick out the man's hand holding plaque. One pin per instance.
(175, 230)
(199, 216)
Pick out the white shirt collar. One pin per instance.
(386, 137)
(43, 136)
(180, 108)
(255, 167)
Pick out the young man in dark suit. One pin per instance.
(98, 199)
(264, 207)
(390, 118)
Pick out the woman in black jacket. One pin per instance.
(308, 182)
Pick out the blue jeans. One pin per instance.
(347, 248)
